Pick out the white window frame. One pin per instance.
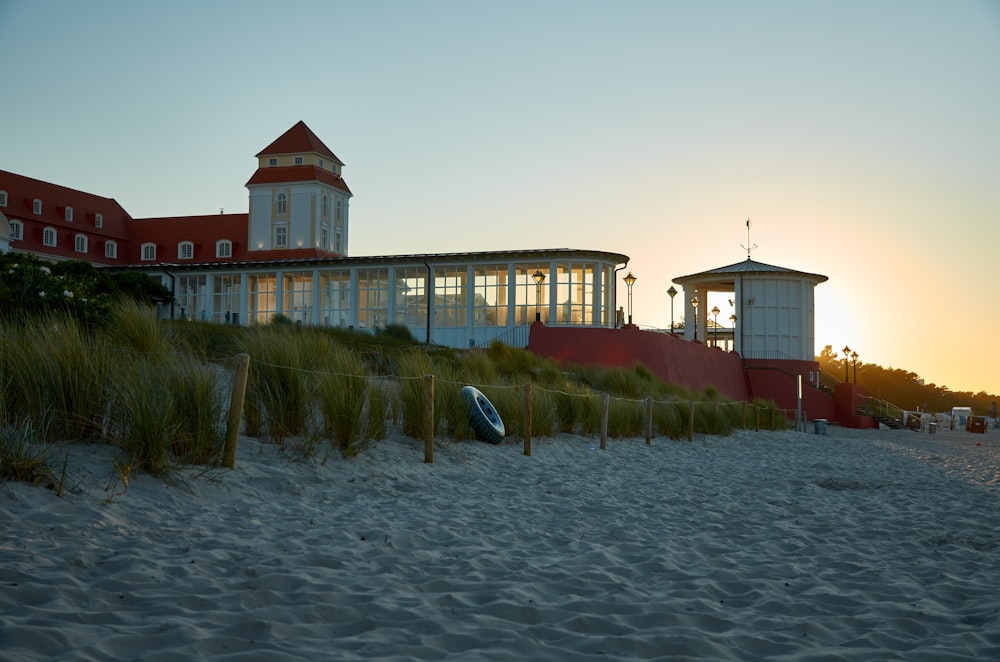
(299, 161)
(68, 214)
(16, 230)
(280, 238)
(49, 237)
(185, 250)
(99, 220)
(223, 248)
(272, 163)
(36, 206)
(281, 203)
(80, 243)
(111, 249)
(148, 252)
(3, 198)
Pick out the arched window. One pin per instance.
(36, 206)
(49, 236)
(149, 251)
(339, 209)
(16, 230)
(185, 250)
(281, 204)
(3, 198)
(223, 248)
(111, 249)
(326, 206)
(80, 243)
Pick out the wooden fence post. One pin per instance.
(690, 420)
(236, 398)
(649, 420)
(527, 418)
(605, 405)
(428, 419)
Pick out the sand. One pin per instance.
(857, 545)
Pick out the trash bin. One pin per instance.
(819, 426)
(932, 427)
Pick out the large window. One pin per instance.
(226, 299)
(530, 297)
(335, 298)
(281, 204)
(450, 296)
(191, 300)
(373, 298)
(262, 297)
(491, 300)
(411, 297)
(575, 293)
(298, 296)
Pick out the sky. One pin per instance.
(861, 138)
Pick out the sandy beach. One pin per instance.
(857, 545)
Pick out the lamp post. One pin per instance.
(847, 352)
(732, 320)
(630, 281)
(854, 358)
(538, 277)
(694, 304)
(672, 292)
(715, 331)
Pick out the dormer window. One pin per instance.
(321, 163)
(223, 248)
(16, 230)
(148, 252)
(185, 250)
(272, 163)
(68, 214)
(3, 198)
(111, 249)
(49, 237)
(99, 220)
(36, 206)
(298, 160)
(80, 243)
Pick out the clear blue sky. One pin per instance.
(861, 137)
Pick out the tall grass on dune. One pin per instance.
(279, 397)
(144, 413)
(410, 371)
(25, 457)
(201, 409)
(341, 390)
(450, 408)
(376, 409)
(59, 376)
(132, 326)
(626, 417)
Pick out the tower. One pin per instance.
(298, 198)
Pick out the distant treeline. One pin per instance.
(904, 389)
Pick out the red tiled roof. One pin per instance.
(202, 231)
(296, 140)
(303, 173)
(23, 191)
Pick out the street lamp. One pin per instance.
(732, 320)
(694, 304)
(847, 351)
(630, 281)
(854, 357)
(672, 292)
(715, 331)
(538, 277)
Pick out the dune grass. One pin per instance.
(157, 390)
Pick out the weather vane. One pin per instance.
(748, 247)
